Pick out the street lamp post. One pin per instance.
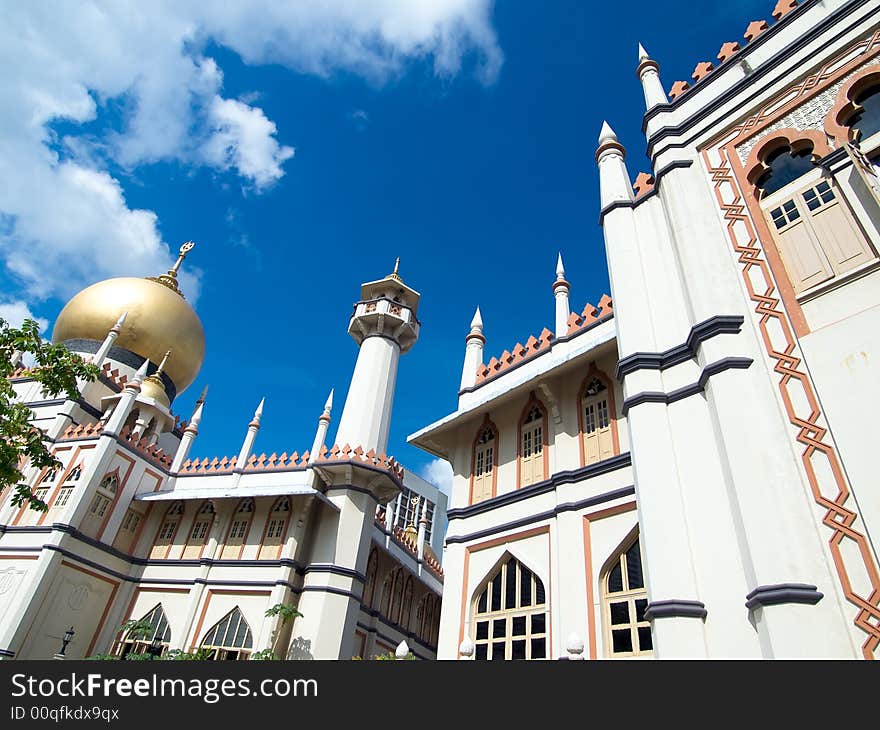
(68, 635)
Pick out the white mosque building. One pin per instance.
(203, 548)
(688, 470)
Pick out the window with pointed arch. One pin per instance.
(241, 522)
(816, 234)
(406, 604)
(371, 577)
(510, 614)
(198, 534)
(276, 529)
(624, 602)
(397, 596)
(597, 419)
(485, 462)
(167, 531)
(387, 590)
(533, 443)
(139, 642)
(428, 619)
(128, 530)
(104, 495)
(230, 638)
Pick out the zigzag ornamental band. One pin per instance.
(771, 319)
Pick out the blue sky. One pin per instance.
(459, 137)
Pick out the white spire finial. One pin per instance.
(402, 650)
(120, 321)
(141, 373)
(607, 134)
(258, 414)
(329, 404)
(197, 415)
(203, 395)
(643, 54)
(560, 269)
(477, 321)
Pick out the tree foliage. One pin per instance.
(57, 369)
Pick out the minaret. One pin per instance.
(126, 401)
(560, 290)
(189, 433)
(473, 352)
(649, 74)
(321, 433)
(101, 354)
(250, 437)
(384, 324)
(614, 183)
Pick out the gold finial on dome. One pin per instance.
(153, 387)
(170, 279)
(394, 275)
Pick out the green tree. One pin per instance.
(57, 369)
(287, 613)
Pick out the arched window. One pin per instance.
(276, 529)
(241, 521)
(128, 530)
(138, 643)
(866, 120)
(104, 495)
(230, 638)
(596, 420)
(532, 441)
(406, 606)
(396, 596)
(50, 476)
(815, 233)
(167, 531)
(625, 599)
(428, 620)
(510, 615)
(370, 585)
(485, 459)
(198, 534)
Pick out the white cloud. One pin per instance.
(133, 84)
(439, 472)
(16, 312)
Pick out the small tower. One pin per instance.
(649, 74)
(473, 351)
(614, 183)
(560, 291)
(321, 431)
(385, 325)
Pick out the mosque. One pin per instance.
(202, 549)
(686, 469)
(683, 470)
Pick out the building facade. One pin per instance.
(203, 548)
(689, 472)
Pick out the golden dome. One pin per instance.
(159, 319)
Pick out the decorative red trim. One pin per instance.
(532, 401)
(836, 121)
(487, 423)
(594, 372)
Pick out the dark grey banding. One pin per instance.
(335, 570)
(548, 485)
(126, 357)
(676, 607)
(783, 593)
(7, 652)
(774, 63)
(727, 363)
(541, 516)
(410, 637)
(720, 324)
(554, 340)
(658, 176)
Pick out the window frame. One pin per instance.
(487, 424)
(533, 402)
(629, 596)
(594, 373)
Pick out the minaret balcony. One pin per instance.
(386, 317)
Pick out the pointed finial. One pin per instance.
(258, 414)
(394, 274)
(202, 396)
(196, 416)
(477, 321)
(120, 321)
(329, 404)
(560, 269)
(643, 54)
(161, 368)
(169, 279)
(606, 134)
(141, 373)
